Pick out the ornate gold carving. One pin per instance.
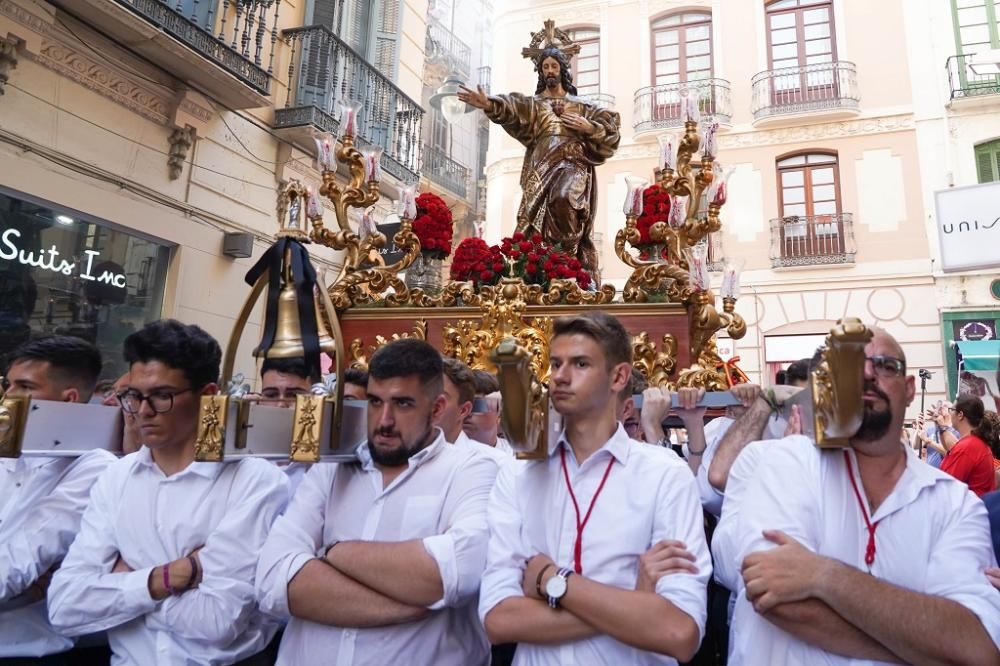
(13, 420)
(359, 358)
(308, 428)
(211, 438)
(524, 409)
(838, 384)
(550, 37)
(181, 140)
(708, 371)
(655, 366)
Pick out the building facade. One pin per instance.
(137, 136)
(816, 106)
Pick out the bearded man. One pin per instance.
(857, 555)
(566, 138)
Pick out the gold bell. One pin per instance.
(288, 332)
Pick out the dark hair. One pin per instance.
(356, 377)
(486, 382)
(565, 77)
(407, 357)
(636, 384)
(972, 408)
(184, 347)
(288, 366)
(603, 329)
(798, 371)
(461, 376)
(73, 360)
(989, 431)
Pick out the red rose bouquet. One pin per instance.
(537, 262)
(433, 226)
(477, 262)
(655, 208)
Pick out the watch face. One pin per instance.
(555, 587)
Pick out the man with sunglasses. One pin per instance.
(165, 558)
(42, 498)
(860, 554)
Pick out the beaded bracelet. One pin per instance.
(195, 571)
(166, 581)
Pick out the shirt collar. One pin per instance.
(208, 470)
(618, 446)
(915, 477)
(415, 461)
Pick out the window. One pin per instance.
(60, 275)
(977, 26)
(988, 161)
(809, 190)
(682, 48)
(800, 33)
(586, 65)
(439, 132)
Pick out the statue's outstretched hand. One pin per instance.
(579, 123)
(477, 98)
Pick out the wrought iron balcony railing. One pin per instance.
(445, 171)
(600, 100)
(232, 34)
(443, 46)
(660, 107)
(323, 69)
(812, 240)
(963, 82)
(826, 86)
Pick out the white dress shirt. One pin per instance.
(504, 446)
(648, 496)
(463, 441)
(440, 498)
(711, 498)
(933, 537)
(151, 519)
(41, 502)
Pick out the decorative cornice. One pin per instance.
(819, 132)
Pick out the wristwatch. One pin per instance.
(555, 587)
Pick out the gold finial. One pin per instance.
(550, 37)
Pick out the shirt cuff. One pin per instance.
(135, 590)
(441, 548)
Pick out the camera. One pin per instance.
(925, 374)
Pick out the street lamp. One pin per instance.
(446, 100)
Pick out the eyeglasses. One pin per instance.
(887, 366)
(160, 402)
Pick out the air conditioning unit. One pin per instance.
(237, 244)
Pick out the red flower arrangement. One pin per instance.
(433, 226)
(527, 257)
(655, 208)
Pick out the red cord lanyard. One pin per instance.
(578, 546)
(870, 548)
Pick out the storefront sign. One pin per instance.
(50, 260)
(968, 220)
(391, 253)
(974, 330)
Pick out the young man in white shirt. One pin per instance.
(587, 561)
(459, 394)
(167, 549)
(483, 424)
(863, 554)
(42, 498)
(379, 562)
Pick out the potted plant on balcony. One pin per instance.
(433, 227)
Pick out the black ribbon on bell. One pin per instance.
(302, 275)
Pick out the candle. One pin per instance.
(373, 158)
(709, 130)
(668, 157)
(678, 211)
(731, 278)
(692, 111)
(698, 266)
(408, 202)
(717, 191)
(313, 208)
(367, 227)
(349, 111)
(633, 199)
(324, 152)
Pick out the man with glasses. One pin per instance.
(42, 498)
(862, 553)
(165, 557)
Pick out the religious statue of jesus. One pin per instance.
(565, 138)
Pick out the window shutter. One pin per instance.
(360, 24)
(328, 13)
(988, 161)
(387, 38)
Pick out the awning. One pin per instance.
(980, 355)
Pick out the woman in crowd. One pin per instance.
(971, 459)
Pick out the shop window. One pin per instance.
(61, 275)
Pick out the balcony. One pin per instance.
(445, 49)
(600, 100)
(445, 171)
(813, 240)
(827, 91)
(661, 107)
(323, 69)
(216, 46)
(965, 83)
